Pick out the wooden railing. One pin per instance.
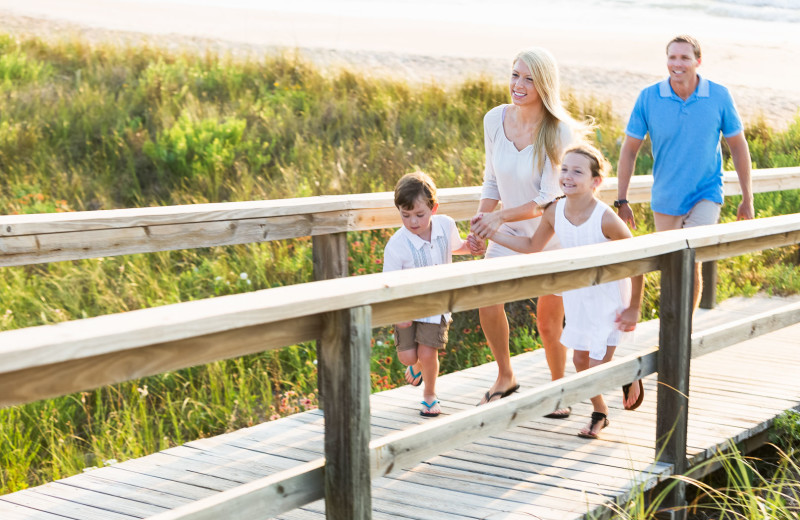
(52, 360)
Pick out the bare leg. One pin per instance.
(495, 327)
(698, 285)
(582, 362)
(429, 358)
(665, 222)
(550, 322)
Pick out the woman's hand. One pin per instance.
(403, 325)
(484, 225)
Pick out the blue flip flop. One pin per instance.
(414, 382)
(428, 406)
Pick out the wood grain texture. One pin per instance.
(674, 357)
(346, 341)
(52, 237)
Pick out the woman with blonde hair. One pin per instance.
(524, 143)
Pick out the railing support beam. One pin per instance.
(345, 372)
(708, 298)
(677, 287)
(329, 260)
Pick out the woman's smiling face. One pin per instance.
(522, 88)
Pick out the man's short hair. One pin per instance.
(413, 186)
(685, 38)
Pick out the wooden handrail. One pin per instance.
(51, 237)
(56, 359)
(411, 446)
(150, 341)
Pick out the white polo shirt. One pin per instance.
(405, 250)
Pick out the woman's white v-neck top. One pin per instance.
(510, 177)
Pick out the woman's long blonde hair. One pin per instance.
(544, 72)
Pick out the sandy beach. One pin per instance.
(607, 54)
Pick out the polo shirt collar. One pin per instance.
(702, 90)
(418, 243)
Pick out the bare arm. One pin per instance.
(627, 162)
(615, 229)
(740, 153)
(532, 244)
(491, 220)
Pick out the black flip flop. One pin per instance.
(626, 389)
(501, 393)
(596, 418)
(561, 415)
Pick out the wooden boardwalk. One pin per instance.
(538, 470)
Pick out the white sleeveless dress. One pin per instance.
(590, 311)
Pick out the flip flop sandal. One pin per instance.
(487, 397)
(414, 381)
(596, 418)
(560, 415)
(426, 412)
(626, 389)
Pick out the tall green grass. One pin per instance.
(86, 127)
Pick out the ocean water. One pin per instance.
(778, 11)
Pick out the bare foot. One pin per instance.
(498, 392)
(430, 406)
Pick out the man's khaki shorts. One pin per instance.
(704, 213)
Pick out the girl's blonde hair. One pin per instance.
(544, 72)
(598, 164)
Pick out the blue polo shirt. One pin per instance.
(685, 136)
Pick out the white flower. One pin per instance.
(243, 276)
(218, 278)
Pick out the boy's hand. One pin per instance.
(403, 324)
(476, 245)
(626, 320)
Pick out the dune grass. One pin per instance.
(86, 127)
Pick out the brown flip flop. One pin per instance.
(626, 389)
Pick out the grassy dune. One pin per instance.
(99, 127)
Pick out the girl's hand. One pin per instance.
(484, 225)
(403, 324)
(626, 320)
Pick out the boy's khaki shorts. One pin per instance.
(420, 333)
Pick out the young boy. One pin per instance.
(425, 239)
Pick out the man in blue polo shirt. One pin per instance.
(684, 115)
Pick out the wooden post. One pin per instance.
(346, 338)
(329, 256)
(674, 355)
(708, 298)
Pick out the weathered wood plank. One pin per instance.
(346, 338)
(674, 357)
(262, 498)
(37, 501)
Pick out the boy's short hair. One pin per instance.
(685, 38)
(413, 186)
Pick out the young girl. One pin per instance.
(596, 316)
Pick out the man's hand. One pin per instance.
(626, 214)
(746, 210)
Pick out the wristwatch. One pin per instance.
(620, 202)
